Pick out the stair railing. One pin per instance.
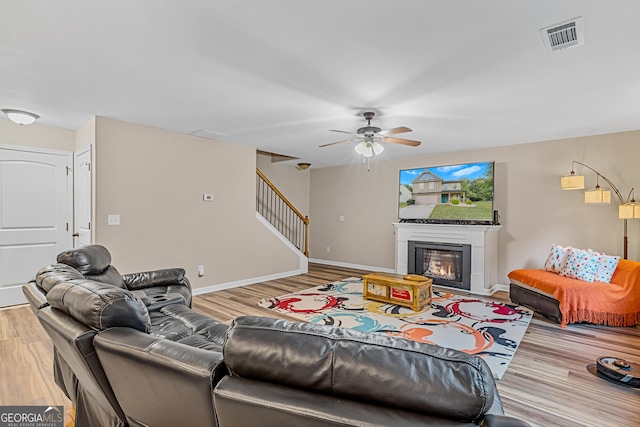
(280, 213)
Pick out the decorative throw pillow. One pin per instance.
(556, 258)
(579, 264)
(606, 266)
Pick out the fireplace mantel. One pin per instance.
(482, 238)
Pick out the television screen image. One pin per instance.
(447, 194)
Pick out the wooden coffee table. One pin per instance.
(406, 290)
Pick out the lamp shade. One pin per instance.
(21, 117)
(377, 148)
(629, 210)
(597, 196)
(572, 182)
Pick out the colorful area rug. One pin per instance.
(473, 325)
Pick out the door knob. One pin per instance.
(76, 234)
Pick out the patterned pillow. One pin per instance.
(579, 264)
(606, 266)
(556, 258)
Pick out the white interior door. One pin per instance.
(35, 208)
(82, 198)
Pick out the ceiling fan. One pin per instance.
(369, 138)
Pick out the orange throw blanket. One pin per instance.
(613, 304)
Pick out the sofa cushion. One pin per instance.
(350, 364)
(606, 266)
(579, 264)
(109, 275)
(88, 260)
(556, 258)
(51, 275)
(177, 321)
(99, 305)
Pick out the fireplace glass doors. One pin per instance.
(447, 264)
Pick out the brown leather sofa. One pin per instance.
(123, 362)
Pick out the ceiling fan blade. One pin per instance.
(334, 143)
(403, 141)
(395, 131)
(342, 131)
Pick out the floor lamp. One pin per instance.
(628, 209)
(612, 369)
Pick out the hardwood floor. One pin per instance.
(546, 384)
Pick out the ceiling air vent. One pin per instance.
(563, 35)
(211, 134)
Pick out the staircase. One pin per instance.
(279, 212)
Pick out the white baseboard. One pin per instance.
(354, 266)
(244, 282)
(12, 295)
(498, 287)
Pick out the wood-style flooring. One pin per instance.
(546, 384)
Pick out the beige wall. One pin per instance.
(85, 135)
(291, 182)
(534, 211)
(155, 179)
(36, 135)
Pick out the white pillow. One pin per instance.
(556, 258)
(579, 264)
(606, 266)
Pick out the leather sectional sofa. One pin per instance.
(83, 294)
(128, 350)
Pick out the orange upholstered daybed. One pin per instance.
(569, 300)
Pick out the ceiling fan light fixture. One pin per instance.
(369, 139)
(20, 117)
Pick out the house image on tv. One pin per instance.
(405, 194)
(430, 189)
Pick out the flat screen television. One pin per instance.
(451, 194)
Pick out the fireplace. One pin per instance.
(484, 250)
(448, 264)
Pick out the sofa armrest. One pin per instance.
(37, 299)
(158, 381)
(147, 279)
(491, 420)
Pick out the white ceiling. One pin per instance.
(278, 74)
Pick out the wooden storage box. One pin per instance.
(395, 289)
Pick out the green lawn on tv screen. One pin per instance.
(482, 211)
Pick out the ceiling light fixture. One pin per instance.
(20, 117)
(303, 166)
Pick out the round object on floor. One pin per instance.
(617, 370)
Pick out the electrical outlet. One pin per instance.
(113, 219)
(200, 270)
(328, 249)
(341, 218)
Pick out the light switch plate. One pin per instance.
(113, 219)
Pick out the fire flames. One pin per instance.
(440, 271)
